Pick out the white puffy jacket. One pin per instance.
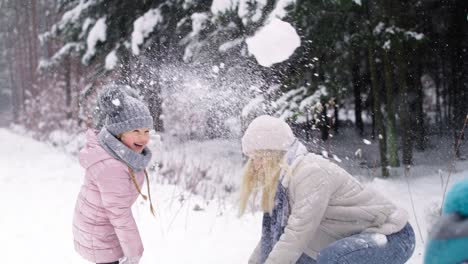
(328, 204)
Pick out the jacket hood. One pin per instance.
(92, 152)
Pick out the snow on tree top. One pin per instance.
(280, 8)
(387, 45)
(220, 6)
(86, 24)
(379, 28)
(73, 15)
(97, 33)
(111, 60)
(243, 6)
(273, 43)
(143, 26)
(313, 99)
(198, 23)
(230, 44)
(392, 30)
(415, 35)
(63, 51)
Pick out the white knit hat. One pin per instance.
(267, 133)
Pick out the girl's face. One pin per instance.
(136, 139)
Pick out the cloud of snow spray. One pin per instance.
(205, 102)
(214, 98)
(202, 120)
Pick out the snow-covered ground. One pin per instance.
(39, 184)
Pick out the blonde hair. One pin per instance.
(265, 178)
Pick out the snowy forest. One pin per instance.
(394, 71)
(378, 87)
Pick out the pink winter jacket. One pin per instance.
(104, 229)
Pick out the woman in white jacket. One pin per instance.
(314, 211)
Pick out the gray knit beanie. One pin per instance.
(122, 109)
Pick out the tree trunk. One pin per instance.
(337, 119)
(438, 108)
(19, 61)
(125, 55)
(14, 90)
(34, 41)
(29, 51)
(357, 92)
(392, 144)
(405, 114)
(68, 88)
(34, 33)
(455, 46)
(324, 122)
(78, 72)
(446, 94)
(48, 22)
(376, 109)
(421, 138)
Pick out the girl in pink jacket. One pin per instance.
(115, 158)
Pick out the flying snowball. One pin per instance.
(273, 43)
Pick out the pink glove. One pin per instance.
(129, 260)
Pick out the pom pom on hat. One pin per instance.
(111, 100)
(267, 133)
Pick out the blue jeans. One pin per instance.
(363, 248)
